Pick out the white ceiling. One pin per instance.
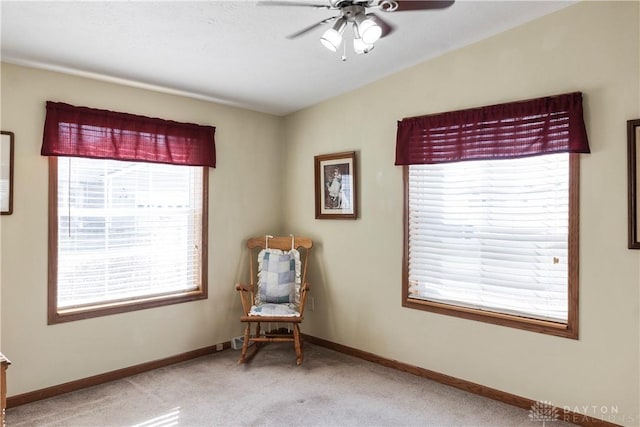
(236, 52)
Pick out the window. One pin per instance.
(126, 231)
(489, 237)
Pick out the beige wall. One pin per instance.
(592, 47)
(247, 175)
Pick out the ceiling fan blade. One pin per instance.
(291, 3)
(408, 5)
(384, 25)
(312, 27)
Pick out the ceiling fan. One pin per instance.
(367, 27)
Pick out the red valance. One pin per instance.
(88, 132)
(517, 129)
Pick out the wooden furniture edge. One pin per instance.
(468, 386)
(4, 364)
(106, 377)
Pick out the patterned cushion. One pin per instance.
(267, 309)
(278, 277)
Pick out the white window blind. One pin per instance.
(491, 235)
(127, 230)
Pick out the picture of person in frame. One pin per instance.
(335, 176)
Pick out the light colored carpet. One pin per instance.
(328, 389)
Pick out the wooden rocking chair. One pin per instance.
(277, 292)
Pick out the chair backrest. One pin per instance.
(256, 244)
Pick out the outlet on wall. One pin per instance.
(313, 304)
(219, 347)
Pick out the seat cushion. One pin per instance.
(278, 277)
(278, 310)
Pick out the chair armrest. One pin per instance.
(303, 297)
(246, 296)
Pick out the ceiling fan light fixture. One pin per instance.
(368, 29)
(361, 47)
(332, 38)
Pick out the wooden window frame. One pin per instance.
(568, 330)
(54, 315)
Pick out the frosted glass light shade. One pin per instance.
(360, 46)
(369, 31)
(331, 39)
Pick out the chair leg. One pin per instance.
(245, 343)
(297, 343)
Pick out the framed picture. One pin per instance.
(336, 186)
(633, 160)
(6, 173)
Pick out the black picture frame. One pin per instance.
(633, 159)
(6, 172)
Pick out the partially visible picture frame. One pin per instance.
(6, 172)
(633, 160)
(336, 186)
